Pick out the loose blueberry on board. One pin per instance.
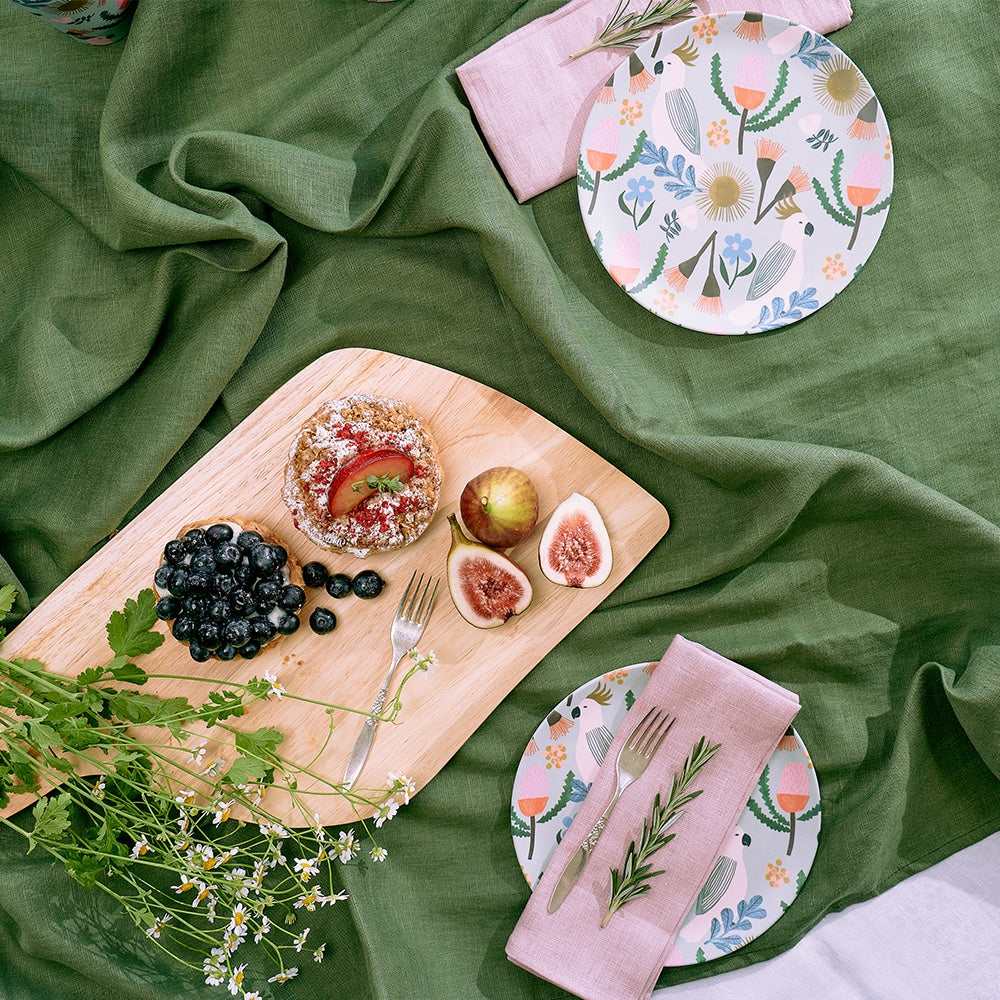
(339, 585)
(367, 584)
(322, 621)
(315, 574)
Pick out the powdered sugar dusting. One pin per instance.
(337, 432)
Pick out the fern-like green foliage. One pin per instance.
(773, 818)
(518, 826)
(630, 161)
(824, 199)
(584, 178)
(720, 91)
(560, 803)
(760, 121)
(655, 271)
(879, 206)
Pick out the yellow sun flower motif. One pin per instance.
(725, 194)
(840, 87)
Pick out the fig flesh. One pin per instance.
(500, 506)
(575, 548)
(487, 586)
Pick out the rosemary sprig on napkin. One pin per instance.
(627, 28)
(633, 879)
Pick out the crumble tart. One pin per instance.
(339, 436)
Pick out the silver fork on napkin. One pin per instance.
(633, 758)
(407, 627)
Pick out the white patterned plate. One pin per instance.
(735, 173)
(772, 848)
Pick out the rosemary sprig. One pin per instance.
(627, 28)
(633, 879)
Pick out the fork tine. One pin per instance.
(406, 593)
(642, 729)
(423, 615)
(651, 746)
(415, 597)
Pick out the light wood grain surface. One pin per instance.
(475, 428)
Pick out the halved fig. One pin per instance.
(368, 472)
(575, 548)
(487, 586)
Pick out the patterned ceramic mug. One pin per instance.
(96, 22)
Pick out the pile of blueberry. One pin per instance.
(225, 593)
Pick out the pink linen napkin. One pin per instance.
(532, 101)
(711, 696)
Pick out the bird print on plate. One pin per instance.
(779, 270)
(593, 737)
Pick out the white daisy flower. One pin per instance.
(141, 847)
(275, 688)
(223, 810)
(158, 926)
(282, 977)
(265, 926)
(306, 867)
(236, 979)
(386, 812)
(346, 846)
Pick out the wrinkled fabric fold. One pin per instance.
(711, 698)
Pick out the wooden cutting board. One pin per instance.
(475, 428)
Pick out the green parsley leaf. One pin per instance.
(246, 770)
(7, 596)
(51, 816)
(262, 742)
(129, 631)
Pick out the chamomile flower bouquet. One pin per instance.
(209, 875)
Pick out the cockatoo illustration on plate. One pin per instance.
(674, 120)
(726, 886)
(593, 736)
(779, 270)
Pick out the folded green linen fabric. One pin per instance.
(190, 216)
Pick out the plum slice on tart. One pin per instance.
(376, 470)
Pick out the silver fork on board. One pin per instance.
(407, 627)
(633, 758)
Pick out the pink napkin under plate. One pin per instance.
(531, 100)
(711, 696)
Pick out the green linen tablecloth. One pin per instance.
(191, 216)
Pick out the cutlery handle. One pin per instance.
(573, 870)
(363, 744)
(590, 841)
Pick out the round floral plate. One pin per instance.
(766, 861)
(735, 173)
